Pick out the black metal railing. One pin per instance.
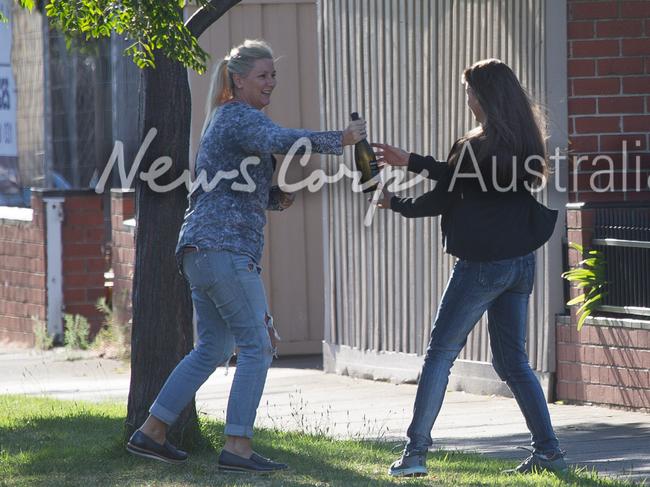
(622, 234)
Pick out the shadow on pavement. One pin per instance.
(605, 447)
(314, 362)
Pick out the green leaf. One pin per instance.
(589, 275)
(581, 320)
(591, 262)
(28, 4)
(593, 296)
(576, 300)
(577, 247)
(598, 297)
(579, 274)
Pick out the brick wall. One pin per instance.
(122, 253)
(603, 364)
(609, 97)
(22, 267)
(23, 263)
(607, 361)
(609, 110)
(83, 234)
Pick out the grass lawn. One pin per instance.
(63, 443)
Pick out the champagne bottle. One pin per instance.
(364, 159)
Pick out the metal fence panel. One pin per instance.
(399, 63)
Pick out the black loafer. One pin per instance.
(141, 445)
(229, 462)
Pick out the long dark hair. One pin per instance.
(513, 125)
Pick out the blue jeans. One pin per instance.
(501, 288)
(230, 304)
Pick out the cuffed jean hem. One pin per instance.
(238, 430)
(163, 414)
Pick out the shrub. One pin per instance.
(589, 275)
(42, 340)
(113, 338)
(76, 332)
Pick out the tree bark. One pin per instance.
(162, 331)
(162, 309)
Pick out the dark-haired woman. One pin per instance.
(492, 223)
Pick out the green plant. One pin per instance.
(113, 338)
(42, 340)
(588, 275)
(76, 332)
(65, 443)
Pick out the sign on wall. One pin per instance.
(8, 103)
(8, 146)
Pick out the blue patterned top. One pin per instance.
(231, 216)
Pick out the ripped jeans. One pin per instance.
(231, 309)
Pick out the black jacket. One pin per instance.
(479, 223)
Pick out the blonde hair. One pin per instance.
(239, 61)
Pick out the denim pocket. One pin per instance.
(495, 274)
(238, 292)
(197, 269)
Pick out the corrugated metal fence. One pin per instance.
(399, 63)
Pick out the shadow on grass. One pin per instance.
(57, 444)
(82, 448)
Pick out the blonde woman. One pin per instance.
(219, 251)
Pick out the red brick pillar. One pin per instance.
(83, 237)
(580, 229)
(123, 252)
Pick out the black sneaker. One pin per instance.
(538, 462)
(143, 446)
(410, 465)
(229, 462)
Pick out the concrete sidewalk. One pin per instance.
(299, 396)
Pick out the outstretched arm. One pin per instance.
(434, 169)
(258, 134)
(431, 203)
(396, 157)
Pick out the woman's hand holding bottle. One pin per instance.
(354, 132)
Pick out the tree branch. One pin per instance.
(208, 15)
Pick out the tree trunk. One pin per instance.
(162, 309)
(162, 331)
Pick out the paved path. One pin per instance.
(301, 397)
